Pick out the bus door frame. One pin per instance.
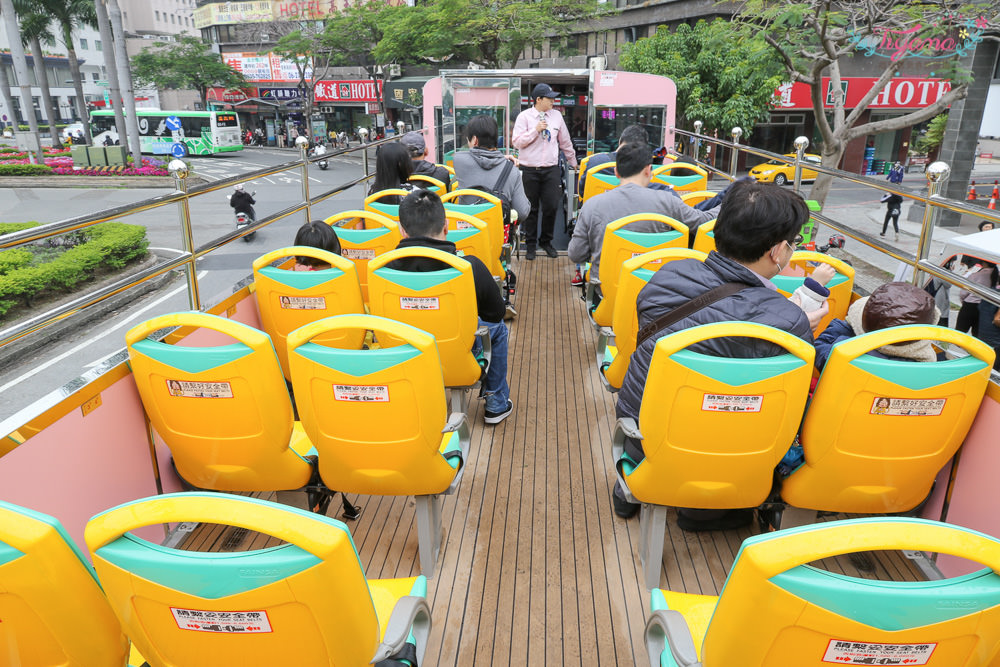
(473, 80)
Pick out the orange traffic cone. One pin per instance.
(996, 189)
(972, 191)
(993, 202)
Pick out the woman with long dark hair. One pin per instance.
(393, 167)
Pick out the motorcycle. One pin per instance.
(321, 150)
(244, 220)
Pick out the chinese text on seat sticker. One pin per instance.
(731, 403)
(188, 389)
(302, 302)
(842, 652)
(238, 622)
(361, 393)
(419, 303)
(907, 407)
(358, 253)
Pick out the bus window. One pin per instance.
(612, 120)
(193, 125)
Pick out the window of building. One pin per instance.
(93, 77)
(97, 44)
(83, 44)
(157, 15)
(187, 21)
(173, 18)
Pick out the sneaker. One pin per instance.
(549, 250)
(497, 417)
(529, 254)
(897, 237)
(623, 508)
(577, 279)
(509, 313)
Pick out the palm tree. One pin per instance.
(34, 29)
(70, 15)
(21, 70)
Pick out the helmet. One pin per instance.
(238, 187)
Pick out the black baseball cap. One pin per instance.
(543, 90)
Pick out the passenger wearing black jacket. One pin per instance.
(422, 223)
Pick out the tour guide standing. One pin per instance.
(539, 134)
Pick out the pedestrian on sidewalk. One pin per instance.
(896, 173)
(893, 202)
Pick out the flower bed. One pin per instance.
(62, 165)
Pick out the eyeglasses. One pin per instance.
(796, 242)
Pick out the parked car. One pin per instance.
(780, 173)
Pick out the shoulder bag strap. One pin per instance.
(686, 310)
(502, 178)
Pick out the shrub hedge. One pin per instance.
(24, 169)
(110, 245)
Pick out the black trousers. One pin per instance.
(967, 320)
(891, 214)
(541, 185)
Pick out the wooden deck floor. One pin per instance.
(535, 568)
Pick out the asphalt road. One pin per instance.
(35, 375)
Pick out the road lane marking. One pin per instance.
(55, 360)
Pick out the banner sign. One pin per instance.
(264, 67)
(226, 13)
(220, 94)
(358, 90)
(278, 94)
(898, 93)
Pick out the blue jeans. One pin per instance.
(496, 391)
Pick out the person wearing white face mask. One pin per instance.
(755, 237)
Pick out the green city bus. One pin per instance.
(202, 132)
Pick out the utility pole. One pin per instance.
(21, 72)
(114, 89)
(128, 94)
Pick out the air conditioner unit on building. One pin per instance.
(597, 62)
(395, 70)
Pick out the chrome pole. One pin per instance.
(937, 174)
(180, 171)
(363, 133)
(303, 145)
(801, 144)
(697, 141)
(737, 133)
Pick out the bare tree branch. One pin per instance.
(909, 119)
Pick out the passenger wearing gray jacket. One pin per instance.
(483, 164)
(633, 168)
(754, 236)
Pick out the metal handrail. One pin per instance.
(186, 259)
(919, 264)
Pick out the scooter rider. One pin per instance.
(242, 202)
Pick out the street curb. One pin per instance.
(33, 342)
(158, 182)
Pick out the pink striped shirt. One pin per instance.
(534, 150)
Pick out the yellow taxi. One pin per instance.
(780, 173)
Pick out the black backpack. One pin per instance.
(496, 191)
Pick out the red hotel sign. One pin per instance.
(899, 93)
(348, 91)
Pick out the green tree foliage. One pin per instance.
(811, 38)
(187, 64)
(721, 82)
(934, 135)
(492, 33)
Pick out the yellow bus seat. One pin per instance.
(451, 172)
(52, 610)
(712, 428)
(693, 183)
(471, 236)
(777, 610)
(600, 178)
(442, 303)
(378, 234)
(696, 197)
(841, 286)
(305, 602)
(635, 273)
(620, 244)
(878, 430)
(390, 211)
(223, 410)
(704, 237)
(489, 209)
(287, 299)
(378, 417)
(429, 183)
